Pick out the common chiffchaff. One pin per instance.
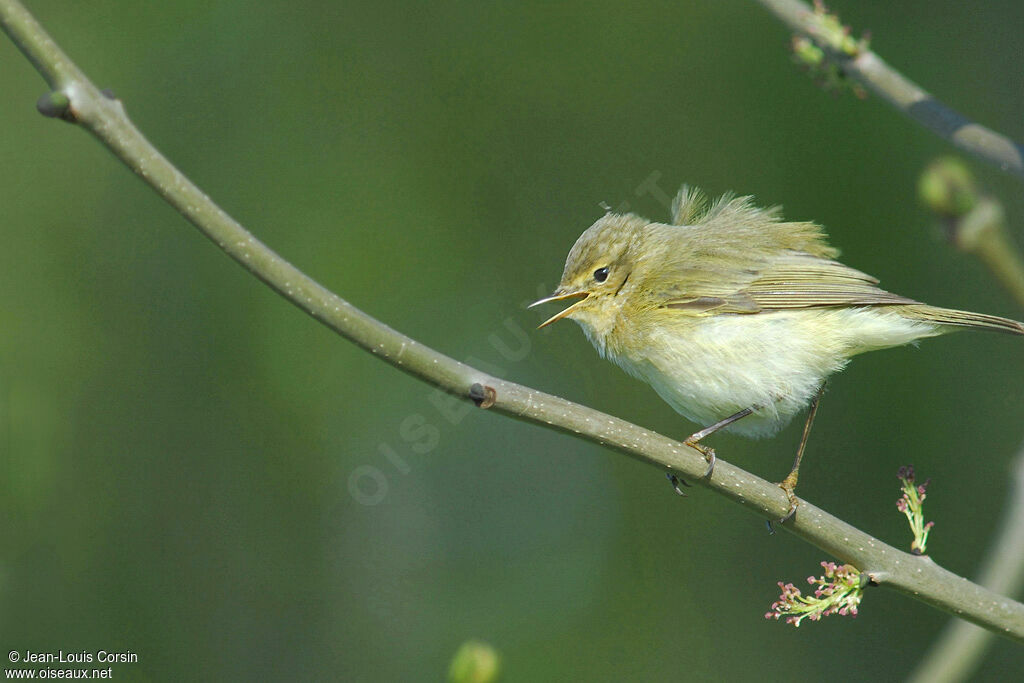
(734, 316)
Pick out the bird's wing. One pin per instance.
(790, 280)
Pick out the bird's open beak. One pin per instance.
(559, 296)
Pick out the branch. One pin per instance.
(974, 221)
(874, 74)
(77, 99)
(983, 232)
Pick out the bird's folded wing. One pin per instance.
(789, 281)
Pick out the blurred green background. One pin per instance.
(179, 445)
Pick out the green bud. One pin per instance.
(948, 188)
(54, 104)
(806, 53)
(475, 662)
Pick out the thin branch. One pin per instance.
(975, 221)
(982, 232)
(868, 69)
(105, 118)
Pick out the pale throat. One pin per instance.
(600, 326)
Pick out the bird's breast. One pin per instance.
(711, 367)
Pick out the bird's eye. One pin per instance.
(601, 274)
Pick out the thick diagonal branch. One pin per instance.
(105, 118)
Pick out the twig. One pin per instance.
(983, 233)
(78, 100)
(975, 222)
(868, 69)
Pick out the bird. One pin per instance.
(735, 316)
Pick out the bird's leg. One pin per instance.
(789, 483)
(708, 452)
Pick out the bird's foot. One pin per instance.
(789, 486)
(707, 451)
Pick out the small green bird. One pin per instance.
(735, 316)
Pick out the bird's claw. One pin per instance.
(792, 512)
(709, 454)
(677, 483)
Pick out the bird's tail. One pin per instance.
(948, 316)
